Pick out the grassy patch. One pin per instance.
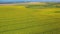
(57, 11)
(15, 20)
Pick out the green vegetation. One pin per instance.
(21, 20)
(47, 5)
(57, 11)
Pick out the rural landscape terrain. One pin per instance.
(30, 18)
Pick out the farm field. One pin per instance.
(21, 20)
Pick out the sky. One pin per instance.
(30, 0)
